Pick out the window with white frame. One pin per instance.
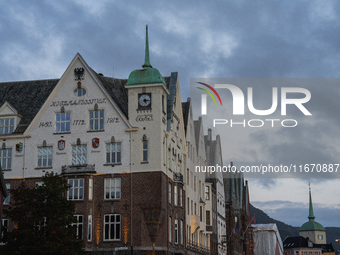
(63, 122)
(79, 226)
(79, 154)
(89, 228)
(76, 190)
(45, 156)
(7, 199)
(90, 189)
(113, 153)
(6, 126)
(176, 231)
(112, 226)
(4, 230)
(6, 158)
(97, 120)
(175, 195)
(113, 188)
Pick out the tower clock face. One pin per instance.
(144, 100)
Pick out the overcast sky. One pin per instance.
(203, 39)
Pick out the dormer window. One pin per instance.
(6, 126)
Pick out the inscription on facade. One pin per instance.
(78, 102)
(78, 122)
(45, 124)
(61, 153)
(92, 151)
(112, 120)
(145, 117)
(17, 155)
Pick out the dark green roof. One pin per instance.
(312, 225)
(147, 75)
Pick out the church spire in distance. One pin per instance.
(311, 213)
(147, 56)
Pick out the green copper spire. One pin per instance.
(147, 56)
(311, 214)
(311, 225)
(147, 75)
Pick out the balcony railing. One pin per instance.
(195, 247)
(77, 169)
(178, 177)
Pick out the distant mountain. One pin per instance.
(263, 218)
(285, 230)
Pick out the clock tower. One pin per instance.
(147, 93)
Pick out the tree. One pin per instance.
(43, 220)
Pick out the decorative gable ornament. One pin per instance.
(79, 74)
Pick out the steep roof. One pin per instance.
(295, 242)
(301, 242)
(27, 97)
(185, 111)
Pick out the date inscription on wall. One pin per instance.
(78, 122)
(112, 120)
(45, 124)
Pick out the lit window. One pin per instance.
(45, 156)
(97, 120)
(7, 199)
(113, 188)
(63, 122)
(79, 92)
(175, 195)
(6, 126)
(6, 158)
(76, 190)
(207, 193)
(79, 153)
(90, 189)
(145, 151)
(112, 227)
(89, 229)
(113, 153)
(79, 226)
